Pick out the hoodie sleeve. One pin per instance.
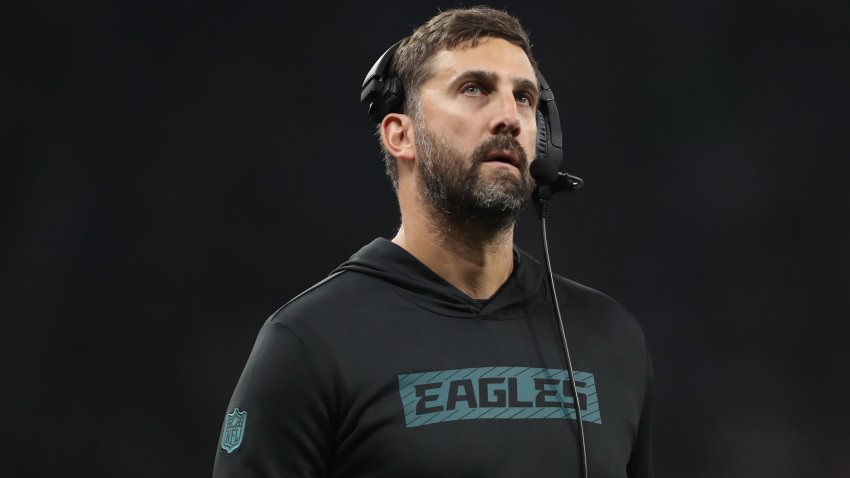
(278, 422)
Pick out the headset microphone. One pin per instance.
(383, 92)
(545, 173)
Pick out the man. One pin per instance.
(438, 353)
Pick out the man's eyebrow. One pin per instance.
(477, 75)
(526, 84)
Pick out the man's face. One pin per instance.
(475, 133)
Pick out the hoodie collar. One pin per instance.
(522, 294)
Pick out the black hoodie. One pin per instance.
(384, 369)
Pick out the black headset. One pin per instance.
(383, 93)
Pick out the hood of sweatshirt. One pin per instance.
(523, 294)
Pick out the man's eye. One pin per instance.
(473, 90)
(524, 99)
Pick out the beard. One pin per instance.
(457, 189)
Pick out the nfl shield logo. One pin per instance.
(234, 430)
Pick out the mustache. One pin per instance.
(500, 143)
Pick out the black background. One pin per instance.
(175, 171)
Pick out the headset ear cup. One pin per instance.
(394, 97)
(542, 138)
(389, 100)
(376, 106)
(381, 90)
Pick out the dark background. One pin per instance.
(175, 171)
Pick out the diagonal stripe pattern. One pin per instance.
(506, 393)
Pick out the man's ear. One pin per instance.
(397, 136)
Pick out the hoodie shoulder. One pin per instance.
(327, 298)
(587, 294)
(601, 309)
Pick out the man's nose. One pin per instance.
(506, 119)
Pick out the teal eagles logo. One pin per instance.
(234, 430)
(496, 393)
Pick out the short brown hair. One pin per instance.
(460, 27)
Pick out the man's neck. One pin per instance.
(475, 261)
